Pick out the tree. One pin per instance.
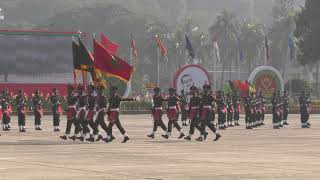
(226, 30)
(282, 27)
(308, 35)
(252, 42)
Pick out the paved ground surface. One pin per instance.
(263, 153)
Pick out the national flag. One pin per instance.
(162, 48)
(134, 49)
(291, 46)
(84, 59)
(216, 49)
(189, 47)
(104, 63)
(241, 56)
(266, 44)
(111, 46)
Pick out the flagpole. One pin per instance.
(239, 62)
(158, 53)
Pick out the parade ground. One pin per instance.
(262, 153)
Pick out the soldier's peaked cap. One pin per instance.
(206, 86)
(193, 88)
(156, 89)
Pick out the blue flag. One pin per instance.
(189, 47)
(241, 56)
(291, 46)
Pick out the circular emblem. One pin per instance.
(266, 79)
(190, 75)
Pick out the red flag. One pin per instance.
(110, 64)
(134, 49)
(163, 49)
(112, 47)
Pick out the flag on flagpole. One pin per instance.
(291, 46)
(189, 47)
(134, 49)
(104, 63)
(111, 46)
(163, 49)
(241, 55)
(266, 44)
(216, 49)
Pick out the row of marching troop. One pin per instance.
(87, 110)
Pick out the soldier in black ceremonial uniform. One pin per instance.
(56, 109)
(263, 106)
(82, 111)
(113, 114)
(6, 109)
(21, 101)
(258, 108)
(172, 113)
(194, 111)
(303, 101)
(230, 110)
(38, 109)
(184, 108)
(275, 111)
(247, 107)
(253, 110)
(236, 108)
(98, 119)
(285, 99)
(157, 112)
(308, 101)
(221, 109)
(72, 100)
(280, 108)
(206, 103)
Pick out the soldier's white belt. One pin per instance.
(172, 107)
(158, 108)
(115, 110)
(71, 106)
(207, 107)
(195, 107)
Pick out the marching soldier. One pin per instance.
(280, 108)
(236, 107)
(184, 108)
(173, 114)
(6, 110)
(275, 111)
(38, 109)
(285, 99)
(258, 108)
(303, 101)
(157, 112)
(253, 114)
(56, 109)
(247, 107)
(71, 112)
(82, 109)
(194, 112)
(113, 114)
(230, 110)
(98, 119)
(221, 110)
(206, 114)
(21, 101)
(308, 101)
(263, 106)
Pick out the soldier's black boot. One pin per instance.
(151, 136)
(181, 136)
(218, 136)
(166, 136)
(64, 137)
(91, 139)
(188, 138)
(125, 139)
(199, 139)
(100, 137)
